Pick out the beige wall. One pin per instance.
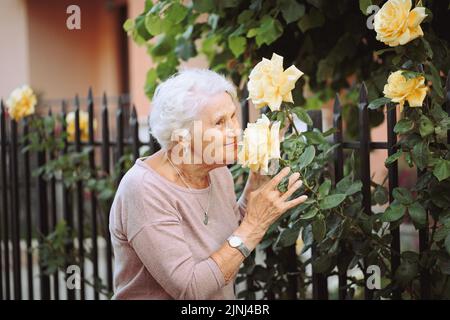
(14, 63)
(64, 62)
(139, 63)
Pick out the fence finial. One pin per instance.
(337, 104)
(363, 96)
(77, 101)
(104, 101)
(90, 96)
(63, 107)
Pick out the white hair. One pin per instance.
(179, 98)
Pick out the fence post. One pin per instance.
(338, 175)
(447, 103)
(80, 201)
(106, 168)
(5, 220)
(393, 183)
(67, 206)
(15, 211)
(364, 161)
(53, 215)
(90, 106)
(119, 141)
(134, 133)
(319, 280)
(43, 224)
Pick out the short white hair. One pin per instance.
(179, 98)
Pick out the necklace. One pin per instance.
(205, 212)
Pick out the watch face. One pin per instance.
(235, 241)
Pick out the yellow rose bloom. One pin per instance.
(269, 84)
(261, 143)
(84, 125)
(396, 24)
(21, 102)
(399, 89)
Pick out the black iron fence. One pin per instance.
(32, 206)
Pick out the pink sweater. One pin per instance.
(161, 246)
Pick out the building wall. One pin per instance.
(64, 62)
(14, 62)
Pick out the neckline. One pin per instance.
(140, 162)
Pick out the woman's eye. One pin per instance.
(219, 122)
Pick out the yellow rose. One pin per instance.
(399, 89)
(396, 25)
(21, 102)
(261, 143)
(84, 125)
(269, 85)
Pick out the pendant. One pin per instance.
(205, 220)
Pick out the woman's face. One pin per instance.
(217, 129)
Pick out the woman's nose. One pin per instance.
(233, 131)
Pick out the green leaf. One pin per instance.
(303, 115)
(269, 31)
(394, 212)
(411, 74)
(203, 5)
(436, 80)
(441, 233)
(402, 195)
(313, 19)
(375, 104)
(418, 214)
(319, 229)
(154, 24)
(237, 45)
(380, 195)
(426, 126)
(310, 214)
(332, 201)
(363, 5)
(185, 48)
(324, 188)
(288, 236)
(406, 272)
(403, 126)
(354, 188)
(307, 157)
(442, 169)
(291, 10)
(447, 243)
(393, 157)
(176, 13)
(420, 154)
(245, 16)
(128, 25)
(163, 46)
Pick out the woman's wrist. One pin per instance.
(250, 233)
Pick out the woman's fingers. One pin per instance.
(295, 202)
(293, 178)
(291, 190)
(272, 184)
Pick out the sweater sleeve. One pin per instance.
(162, 249)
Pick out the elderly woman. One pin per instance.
(176, 228)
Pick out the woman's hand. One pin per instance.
(266, 204)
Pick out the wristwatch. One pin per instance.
(236, 242)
